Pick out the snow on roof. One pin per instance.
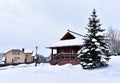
(28, 51)
(70, 42)
(69, 39)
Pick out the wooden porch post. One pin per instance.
(51, 61)
(52, 53)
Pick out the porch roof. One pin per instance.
(66, 43)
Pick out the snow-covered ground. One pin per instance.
(45, 73)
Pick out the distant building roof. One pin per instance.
(23, 51)
(28, 51)
(13, 50)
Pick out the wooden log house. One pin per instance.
(66, 50)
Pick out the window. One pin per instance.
(12, 52)
(15, 59)
(15, 52)
(18, 52)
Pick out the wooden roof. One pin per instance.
(55, 47)
(68, 36)
(68, 40)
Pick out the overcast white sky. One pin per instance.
(30, 23)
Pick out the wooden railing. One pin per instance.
(64, 56)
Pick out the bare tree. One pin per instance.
(114, 40)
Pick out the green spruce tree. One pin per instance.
(94, 44)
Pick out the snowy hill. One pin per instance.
(45, 73)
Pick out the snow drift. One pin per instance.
(46, 73)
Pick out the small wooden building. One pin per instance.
(66, 50)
